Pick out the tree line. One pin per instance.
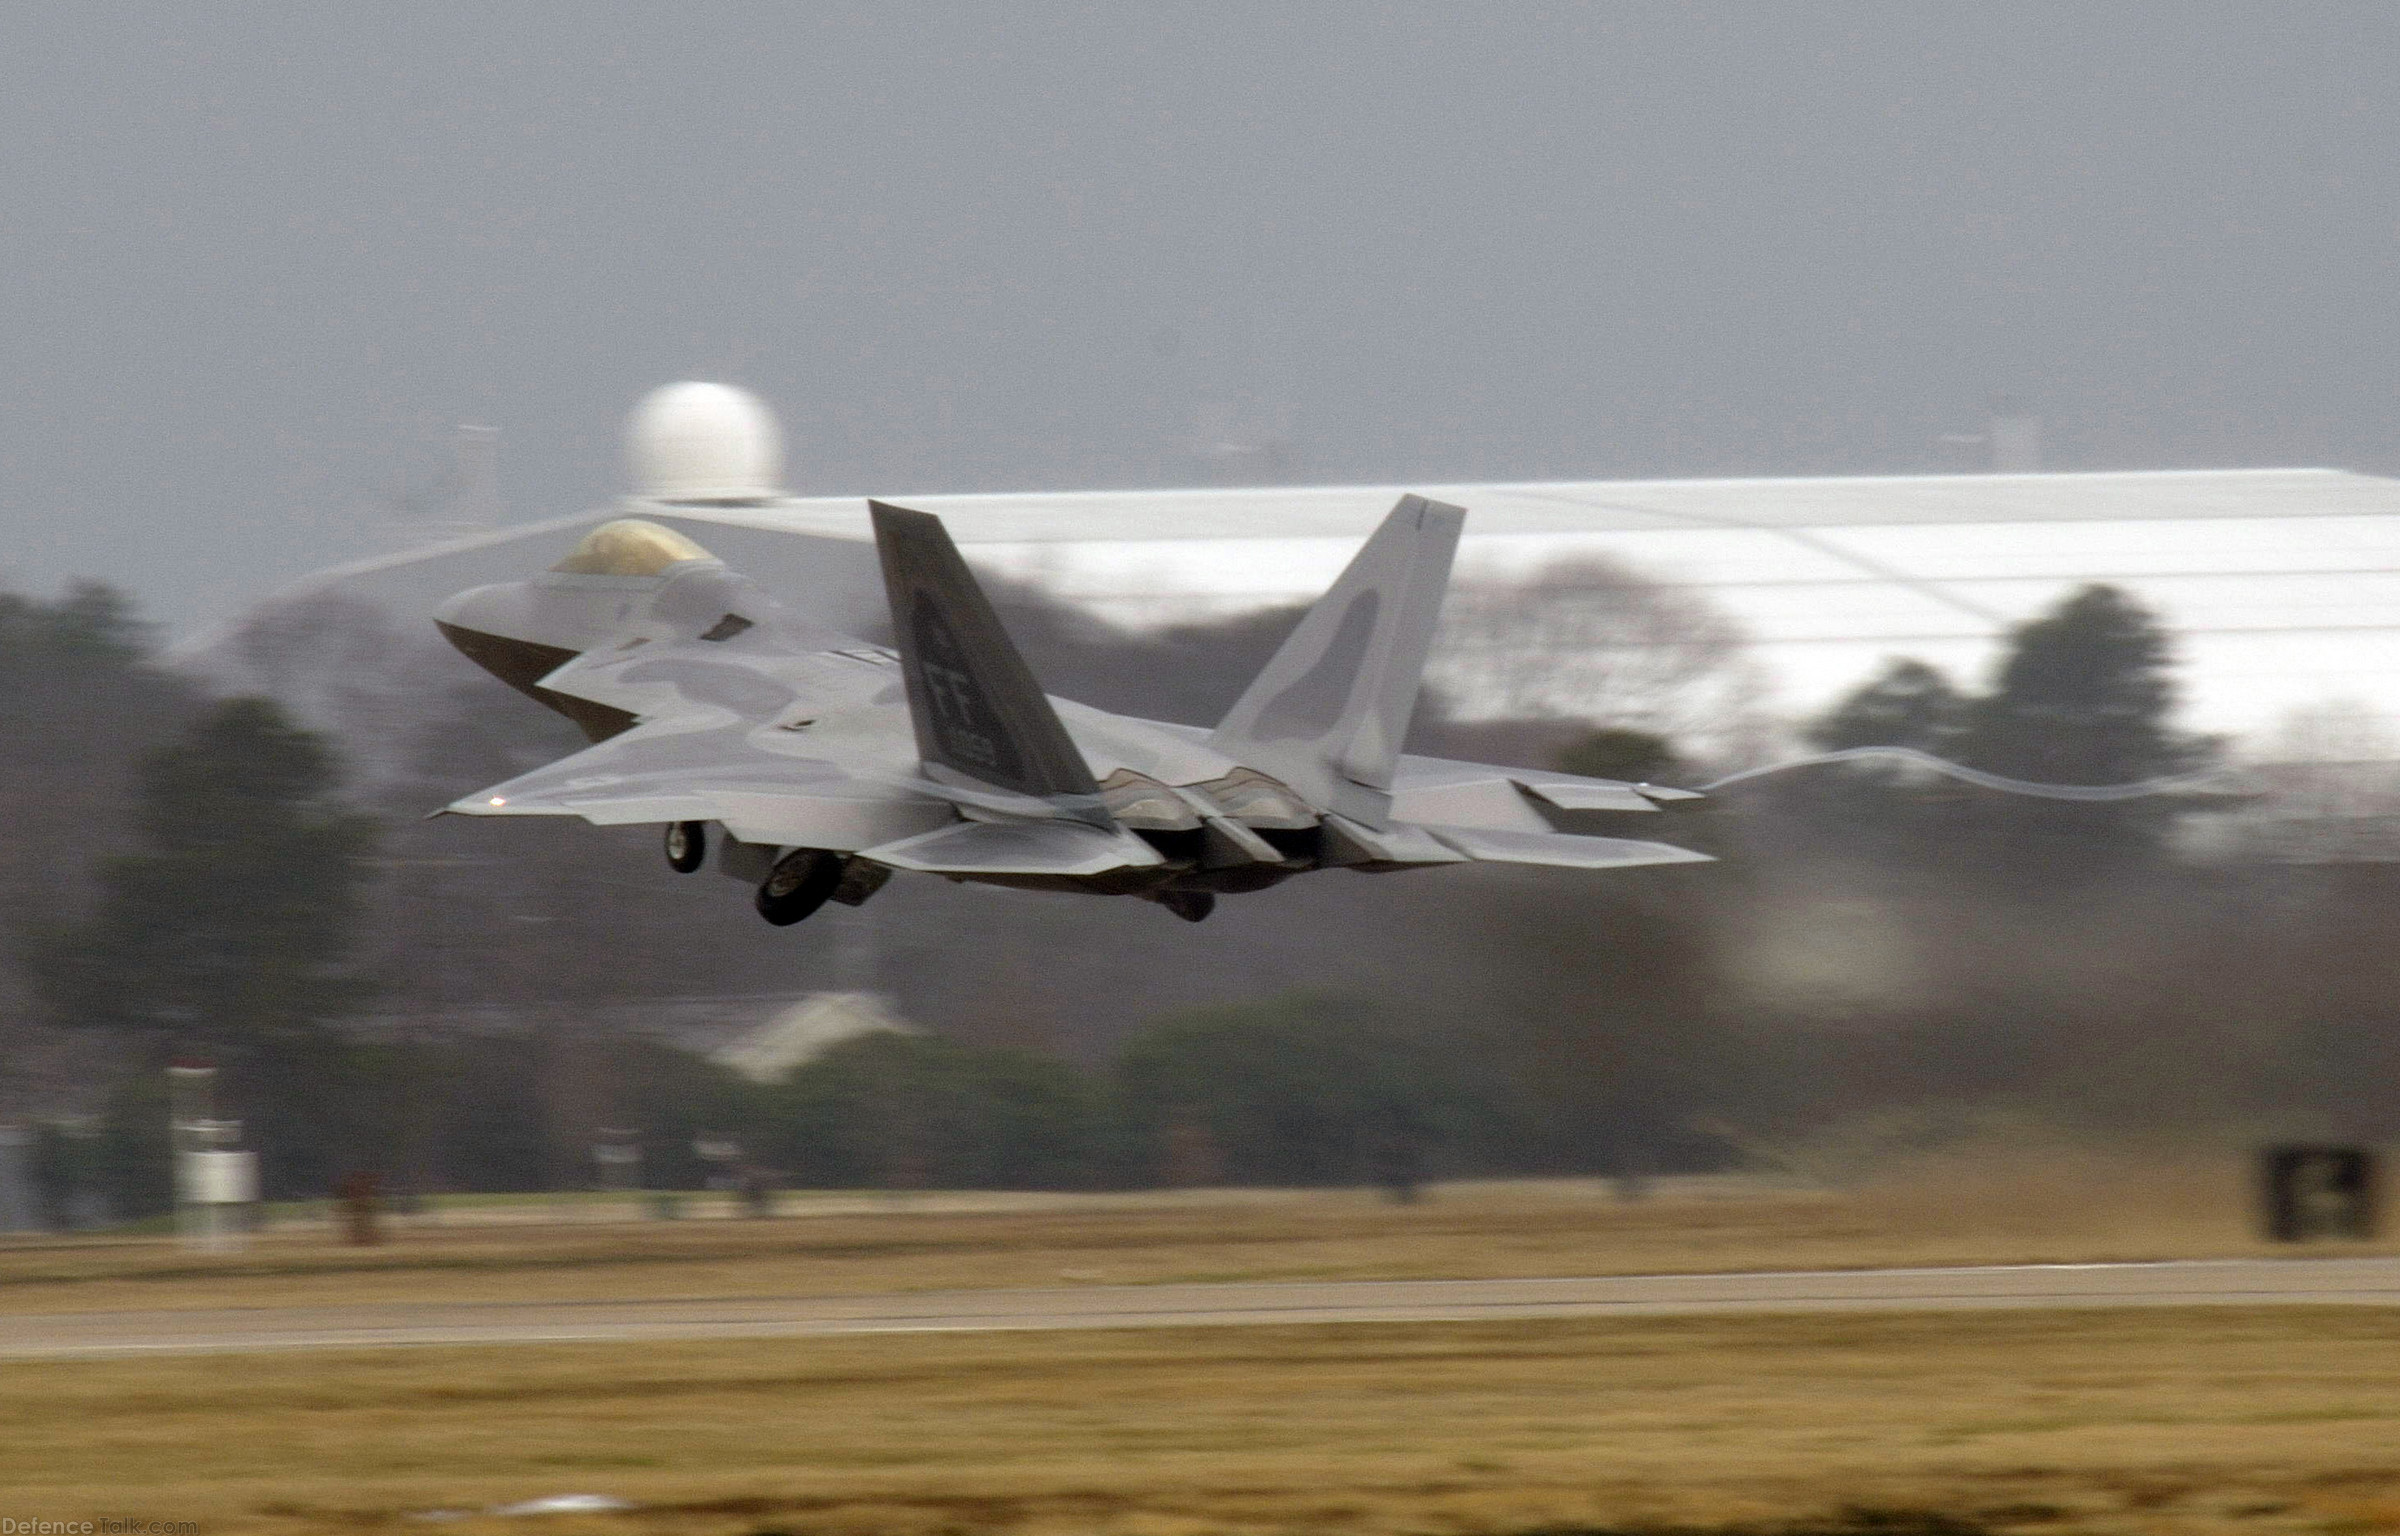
(247, 878)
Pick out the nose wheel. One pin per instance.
(687, 845)
(799, 883)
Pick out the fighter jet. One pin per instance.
(824, 762)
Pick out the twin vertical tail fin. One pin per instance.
(977, 708)
(1326, 716)
(1328, 713)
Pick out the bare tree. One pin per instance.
(1592, 638)
(347, 666)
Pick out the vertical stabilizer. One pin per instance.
(1327, 715)
(977, 709)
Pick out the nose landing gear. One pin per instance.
(687, 845)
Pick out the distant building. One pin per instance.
(2281, 587)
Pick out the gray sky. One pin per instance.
(255, 262)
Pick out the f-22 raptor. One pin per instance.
(826, 762)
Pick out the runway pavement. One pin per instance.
(60, 1335)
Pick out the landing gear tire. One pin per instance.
(1191, 906)
(687, 845)
(798, 884)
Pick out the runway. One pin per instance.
(233, 1330)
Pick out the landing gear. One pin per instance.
(1191, 906)
(799, 883)
(687, 845)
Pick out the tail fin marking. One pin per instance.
(977, 709)
(1328, 712)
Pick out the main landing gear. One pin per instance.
(800, 882)
(1191, 906)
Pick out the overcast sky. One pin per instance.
(256, 263)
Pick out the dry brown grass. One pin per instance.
(2152, 1421)
(1986, 1209)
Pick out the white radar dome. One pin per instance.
(704, 442)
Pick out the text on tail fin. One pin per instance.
(977, 709)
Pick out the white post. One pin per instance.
(191, 1105)
(208, 1178)
(216, 1182)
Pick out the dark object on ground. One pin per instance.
(2312, 1192)
(758, 1192)
(361, 1196)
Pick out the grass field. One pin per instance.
(2264, 1421)
(2052, 1208)
(2135, 1423)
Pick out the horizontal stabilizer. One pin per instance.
(1018, 848)
(1574, 795)
(1562, 850)
(1435, 791)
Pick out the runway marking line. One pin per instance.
(2356, 1281)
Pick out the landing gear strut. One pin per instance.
(798, 884)
(687, 845)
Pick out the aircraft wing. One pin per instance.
(782, 732)
(684, 769)
(789, 734)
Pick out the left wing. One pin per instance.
(745, 716)
(666, 770)
(790, 735)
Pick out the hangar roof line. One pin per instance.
(2282, 586)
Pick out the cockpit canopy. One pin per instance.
(630, 546)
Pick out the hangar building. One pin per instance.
(2282, 586)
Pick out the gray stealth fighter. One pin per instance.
(827, 762)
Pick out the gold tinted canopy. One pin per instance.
(630, 546)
